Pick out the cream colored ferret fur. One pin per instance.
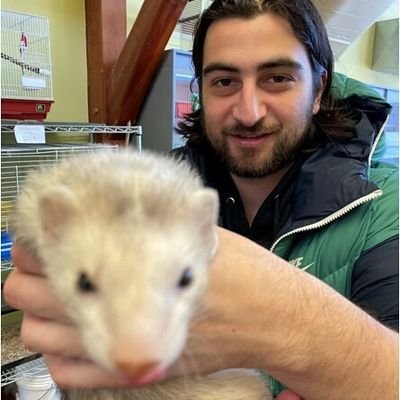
(126, 239)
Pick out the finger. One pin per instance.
(47, 336)
(82, 374)
(25, 260)
(32, 294)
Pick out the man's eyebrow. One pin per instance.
(281, 62)
(274, 63)
(219, 67)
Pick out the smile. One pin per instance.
(250, 140)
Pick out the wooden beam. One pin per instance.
(139, 59)
(106, 34)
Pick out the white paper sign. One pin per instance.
(29, 82)
(29, 134)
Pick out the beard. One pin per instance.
(254, 162)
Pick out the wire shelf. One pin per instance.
(133, 134)
(8, 126)
(17, 161)
(6, 266)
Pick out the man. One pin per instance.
(295, 174)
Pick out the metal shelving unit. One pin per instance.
(8, 126)
(132, 133)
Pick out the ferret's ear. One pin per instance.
(57, 207)
(205, 209)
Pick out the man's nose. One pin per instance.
(249, 108)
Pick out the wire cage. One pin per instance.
(26, 72)
(16, 163)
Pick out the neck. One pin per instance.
(253, 191)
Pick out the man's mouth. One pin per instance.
(249, 140)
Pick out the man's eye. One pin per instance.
(278, 82)
(223, 86)
(278, 79)
(224, 82)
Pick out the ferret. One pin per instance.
(126, 239)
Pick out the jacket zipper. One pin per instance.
(332, 217)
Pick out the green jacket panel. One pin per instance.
(329, 252)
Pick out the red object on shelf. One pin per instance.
(182, 108)
(25, 109)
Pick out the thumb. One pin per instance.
(24, 260)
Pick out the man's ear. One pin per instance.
(57, 207)
(318, 94)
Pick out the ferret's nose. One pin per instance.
(136, 369)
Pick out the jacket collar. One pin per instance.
(332, 177)
(337, 174)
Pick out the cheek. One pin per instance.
(295, 113)
(286, 113)
(216, 112)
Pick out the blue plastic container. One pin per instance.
(6, 242)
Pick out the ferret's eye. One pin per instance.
(85, 284)
(186, 278)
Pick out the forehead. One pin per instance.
(247, 43)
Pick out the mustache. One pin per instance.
(259, 128)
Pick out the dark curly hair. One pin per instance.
(333, 121)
